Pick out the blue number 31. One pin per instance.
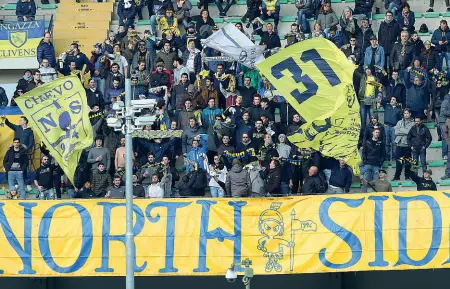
(311, 86)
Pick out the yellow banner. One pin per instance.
(20, 39)
(58, 113)
(316, 78)
(334, 233)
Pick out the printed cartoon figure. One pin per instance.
(272, 227)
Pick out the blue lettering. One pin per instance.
(448, 260)
(50, 121)
(378, 231)
(86, 241)
(219, 233)
(170, 229)
(347, 236)
(403, 257)
(106, 237)
(24, 252)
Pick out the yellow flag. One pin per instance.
(58, 113)
(316, 78)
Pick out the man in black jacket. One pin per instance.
(44, 179)
(374, 152)
(15, 163)
(401, 54)
(424, 184)
(314, 184)
(94, 96)
(22, 131)
(419, 139)
(3, 98)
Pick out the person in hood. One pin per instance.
(127, 12)
(238, 183)
(313, 184)
(116, 190)
(348, 25)
(47, 72)
(44, 179)
(25, 10)
(403, 150)
(189, 134)
(22, 131)
(15, 163)
(425, 183)
(419, 139)
(47, 50)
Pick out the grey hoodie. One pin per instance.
(99, 152)
(445, 109)
(256, 179)
(238, 182)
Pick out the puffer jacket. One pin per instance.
(238, 182)
(100, 182)
(48, 74)
(401, 132)
(46, 50)
(419, 137)
(416, 95)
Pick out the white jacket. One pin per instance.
(48, 74)
(156, 190)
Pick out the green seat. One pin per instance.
(355, 185)
(436, 144)
(381, 109)
(349, 1)
(180, 170)
(430, 125)
(281, 36)
(424, 34)
(241, 2)
(143, 22)
(439, 163)
(394, 184)
(207, 189)
(283, 1)
(10, 6)
(257, 37)
(2, 192)
(385, 165)
(311, 19)
(418, 14)
(218, 20)
(446, 14)
(431, 15)
(34, 191)
(277, 110)
(336, 1)
(408, 184)
(48, 6)
(378, 16)
(393, 165)
(444, 183)
(288, 19)
(233, 20)
(194, 2)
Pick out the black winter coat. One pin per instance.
(274, 181)
(419, 137)
(388, 33)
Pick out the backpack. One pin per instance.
(423, 28)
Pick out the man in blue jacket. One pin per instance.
(75, 55)
(340, 178)
(392, 114)
(417, 97)
(26, 10)
(441, 41)
(46, 49)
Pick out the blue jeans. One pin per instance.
(365, 110)
(370, 173)
(446, 56)
(284, 189)
(335, 190)
(302, 20)
(72, 194)
(17, 177)
(394, 8)
(221, 9)
(47, 195)
(444, 143)
(423, 157)
(216, 192)
(389, 131)
(153, 24)
(29, 18)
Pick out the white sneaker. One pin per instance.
(445, 157)
(29, 188)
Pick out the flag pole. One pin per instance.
(292, 240)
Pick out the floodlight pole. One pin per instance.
(129, 236)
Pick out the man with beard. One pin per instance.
(258, 134)
(224, 80)
(114, 73)
(189, 134)
(44, 180)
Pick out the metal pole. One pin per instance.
(129, 236)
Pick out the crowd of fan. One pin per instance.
(232, 141)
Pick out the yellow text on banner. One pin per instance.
(308, 234)
(58, 113)
(316, 78)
